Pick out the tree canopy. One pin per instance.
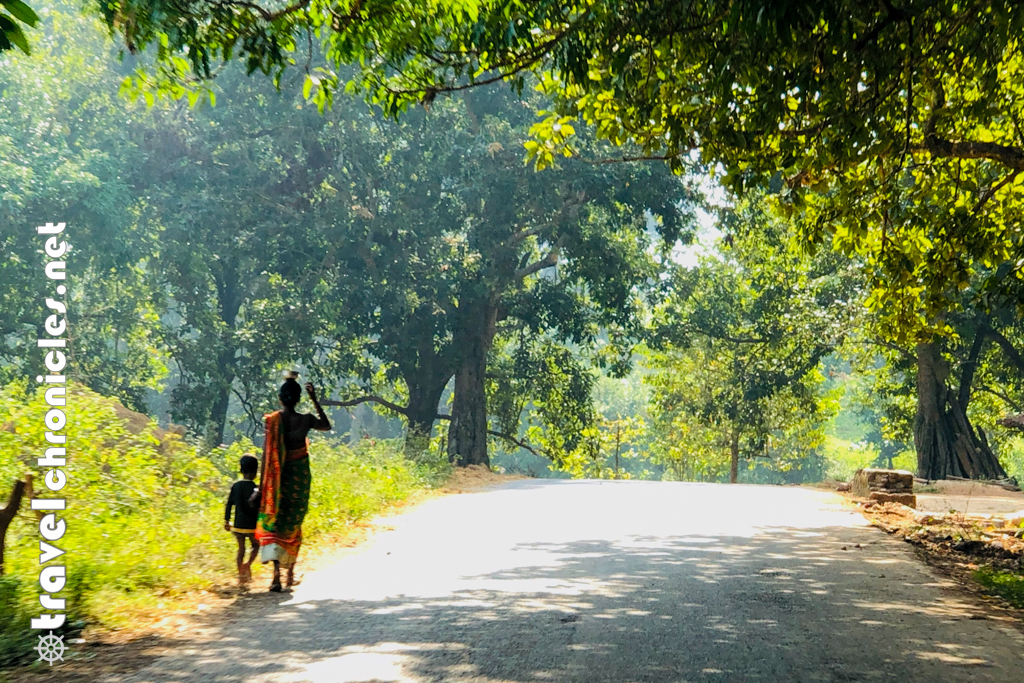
(413, 259)
(384, 257)
(895, 127)
(67, 152)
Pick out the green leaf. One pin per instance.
(21, 11)
(16, 37)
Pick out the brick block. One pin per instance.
(891, 481)
(908, 499)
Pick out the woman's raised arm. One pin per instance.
(321, 424)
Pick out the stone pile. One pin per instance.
(884, 486)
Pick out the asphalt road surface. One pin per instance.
(587, 581)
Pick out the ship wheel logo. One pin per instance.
(50, 648)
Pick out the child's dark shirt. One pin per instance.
(245, 516)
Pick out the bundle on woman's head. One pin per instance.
(290, 392)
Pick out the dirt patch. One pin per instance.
(474, 478)
(957, 546)
(968, 497)
(990, 505)
(974, 489)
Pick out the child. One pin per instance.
(245, 516)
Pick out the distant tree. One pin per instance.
(738, 344)
(445, 240)
(540, 392)
(707, 418)
(886, 409)
(553, 398)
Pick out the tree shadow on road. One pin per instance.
(782, 605)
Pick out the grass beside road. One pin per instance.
(146, 511)
(846, 457)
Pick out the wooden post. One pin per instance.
(734, 459)
(618, 442)
(7, 514)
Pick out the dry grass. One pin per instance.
(474, 478)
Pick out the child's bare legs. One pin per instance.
(290, 581)
(240, 557)
(245, 567)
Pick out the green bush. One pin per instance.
(350, 484)
(1006, 584)
(15, 638)
(1012, 457)
(145, 510)
(844, 457)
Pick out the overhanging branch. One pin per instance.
(548, 261)
(502, 435)
(1006, 422)
(402, 410)
(440, 416)
(1011, 157)
(266, 14)
(512, 439)
(1009, 349)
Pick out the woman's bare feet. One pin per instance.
(275, 584)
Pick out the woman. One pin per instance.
(285, 479)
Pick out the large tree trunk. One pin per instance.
(426, 378)
(946, 442)
(214, 435)
(422, 412)
(230, 297)
(467, 434)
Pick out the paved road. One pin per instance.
(557, 582)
